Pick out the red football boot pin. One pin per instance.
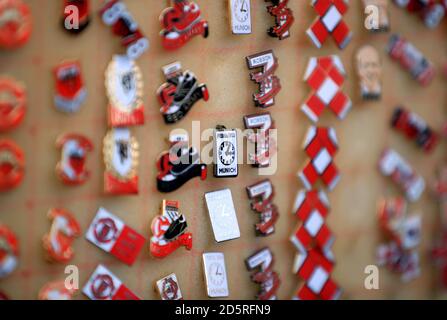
(180, 23)
(12, 165)
(76, 15)
(169, 231)
(56, 290)
(12, 104)
(70, 90)
(58, 242)
(71, 169)
(15, 23)
(283, 19)
(9, 251)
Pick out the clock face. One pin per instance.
(227, 153)
(217, 274)
(242, 10)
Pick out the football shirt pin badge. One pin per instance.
(169, 231)
(71, 169)
(58, 242)
(240, 16)
(16, 23)
(12, 104)
(12, 165)
(121, 154)
(181, 23)
(9, 251)
(283, 19)
(169, 288)
(225, 153)
(179, 164)
(215, 274)
(76, 9)
(70, 90)
(180, 93)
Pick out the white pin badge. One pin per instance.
(240, 16)
(215, 274)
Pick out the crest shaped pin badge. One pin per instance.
(70, 90)
(12, 104)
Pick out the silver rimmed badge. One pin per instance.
(240, 16)
(215, 274)
(225, 153)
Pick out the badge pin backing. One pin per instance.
(12, 104)
(240, 16)
(12, 165)
(169, 288)
(215, 274)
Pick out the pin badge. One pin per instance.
(112, 235)
(392, 164)
(265, 146)
(121, 153)
(415, 128)
(64, 230)
(262, 261)
(261, 195)
(179, 165)
(56, 290)
(12, 104)
(269, 84)
(12, 165)
(369, 71)
(432, 12)
(330, 23)
(81, 10)
(283, 19)
(222, 215)
(169, 231)
(16, 23)
(104, 285)
(215, 274)
(71, 169)
(383, 23)
(114, 13)
(439, 251)
(124, 87)
(9, 251)
(240, 16)
(70, 90)
(225, 153)
(169, 288)
(181, 23)
(180, 93)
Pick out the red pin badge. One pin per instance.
(9, 251)
(12, 165)
(15, 23)
(70, 90)
(12, 104)
(56, 290)
(283, 19)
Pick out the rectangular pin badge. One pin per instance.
(240, 16)
(215, 274)
(225, 153)
(222, 215)
(169, 288)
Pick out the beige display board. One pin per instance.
(219, 61)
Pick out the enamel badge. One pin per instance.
(64, 230)
(180, 93)
(269, 84)
(369, 71)
(9, 251)
(283, 19)
(124, 86)
(181, 23)
(169, 231)
(12, 104)
(70, 90)
(261, 262)
(56, 290)
(78, 10)
(169, 288)
(215, 274)
(110, 234)
(179, 165)
(15, 23)
(240, 16)
(225, 153)
(12, 165)
(121, 160)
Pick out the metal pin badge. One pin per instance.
(70, 90)
(222, 215)
(56, 290)
(369, 71)
(78, 10)
(16, 23)
(58, 242)
(169, 231)
(12, 104)
(283, 19)
(12, 165)
(240, 16)
(180, 93)
(9, 251)
(169, 288)
(215, 274)
(225, 153)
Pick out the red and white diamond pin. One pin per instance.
(9, 251)
(70, 90)
(12, 165)
(12, 104)
(112, 235)
(16, 23)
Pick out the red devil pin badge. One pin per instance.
(15, 23)
(181, 23)
(12, 165)
(9, 251)
(12, 104)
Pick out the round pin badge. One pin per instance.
(12, 104)
(9, 251)
(15, 23)
(12, 165)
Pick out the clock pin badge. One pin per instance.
(169, 231)
(71, 169)
(269, 84)
(9, 251)
(261, 262)
(114, 13)
(121, 157)
(124, 87)
(104, 285)
(56, 290)
(75, 15)
(16, 23)
(240, 16)
(181, 23)
(70, 89)
(58, 242)
(283, 19)
(225, 153)
(180, 93)
(12, 165)
(168, 288)
(13, 102)
(369, 71)
(215, 273)
(112, 235)
(179, 164)
(222, 215)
